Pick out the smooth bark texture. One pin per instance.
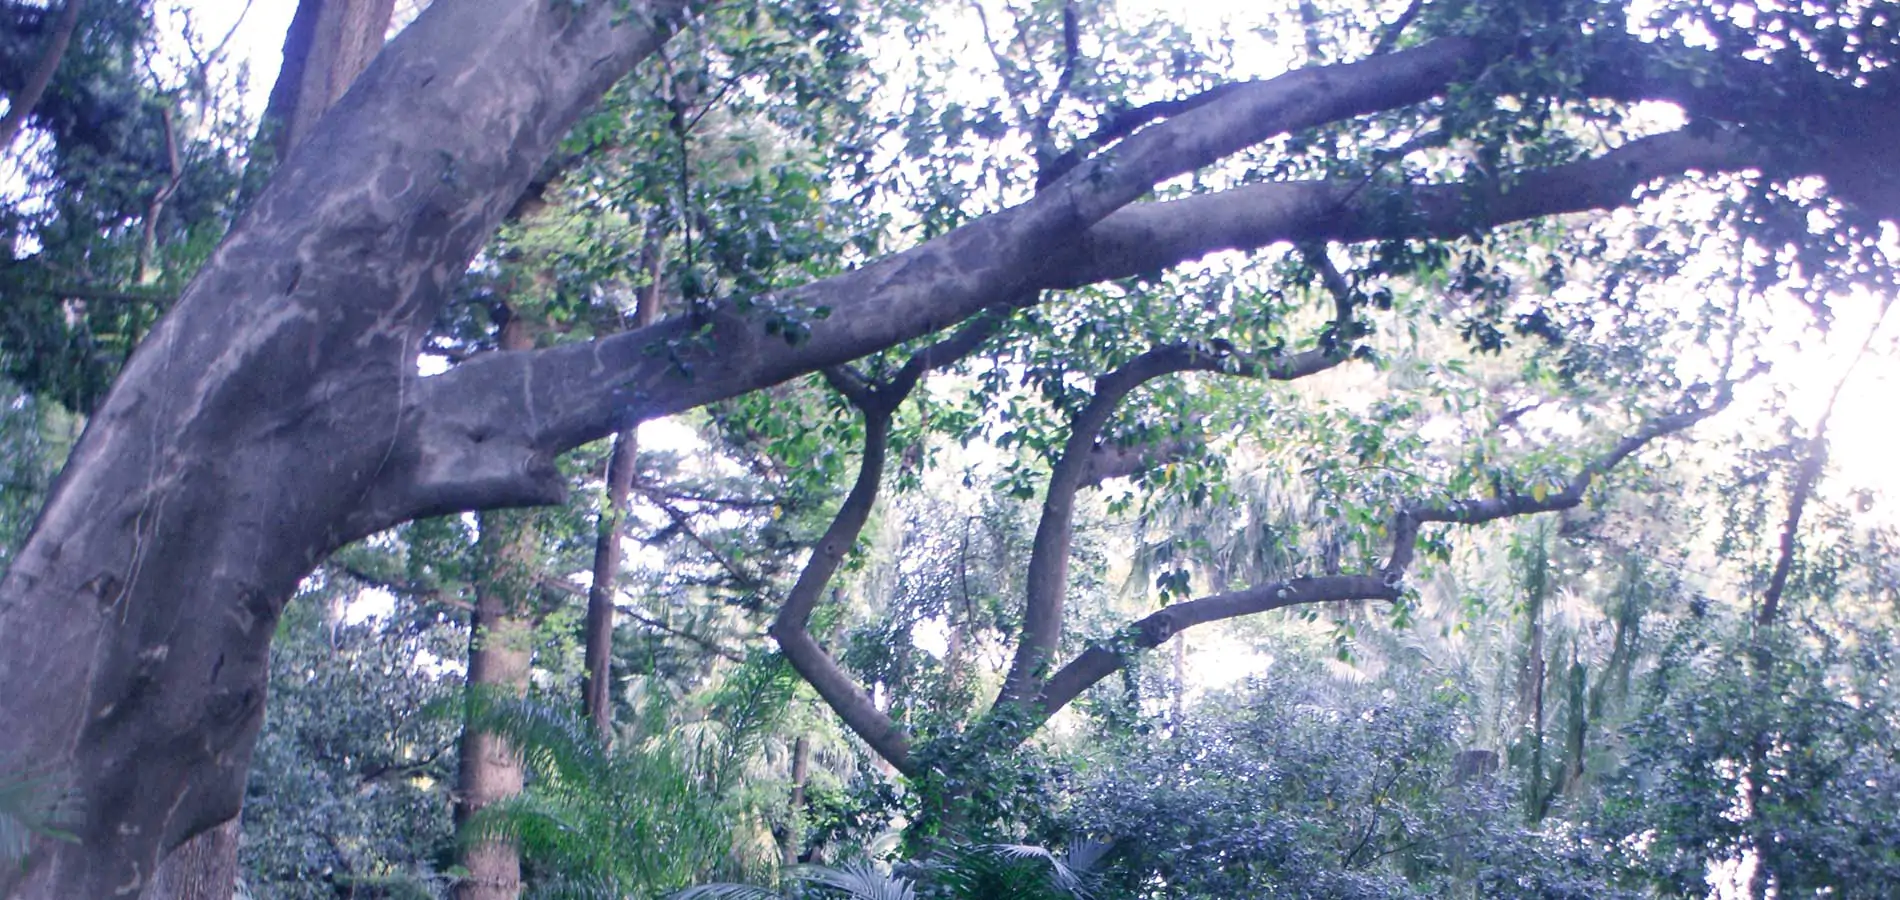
(246, 429)
(319, 64)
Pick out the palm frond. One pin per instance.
(861, 880)
(30, 805)
(726, 892)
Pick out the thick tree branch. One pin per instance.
(1818, 122)
(1152, 237)
(456, 455)
(486, 432)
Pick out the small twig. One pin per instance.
(1389, 39)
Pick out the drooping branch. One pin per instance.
(1102, 660)
(878, 402)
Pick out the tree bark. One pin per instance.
(203, 868)
(245, 432)
(329, 43)
(598, 632)
(792, 840)
(21, 102)
(500, 653)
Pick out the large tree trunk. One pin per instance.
(203, 868)
(329, 44)
(240, 442)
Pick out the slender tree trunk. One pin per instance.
(20, 103)
(621, 468)
(500, 650)
(793, 839)
(329, 43)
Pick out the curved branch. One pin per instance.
(485, 433)
(1048, 575)
(1100, 661)
(790, 628)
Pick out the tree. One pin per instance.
(275, 413)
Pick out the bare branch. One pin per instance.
(1406, 522)
(684, 523)
(1389, 38)
(1813, 460)
(709, 644)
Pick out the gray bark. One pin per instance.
(245, 430)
